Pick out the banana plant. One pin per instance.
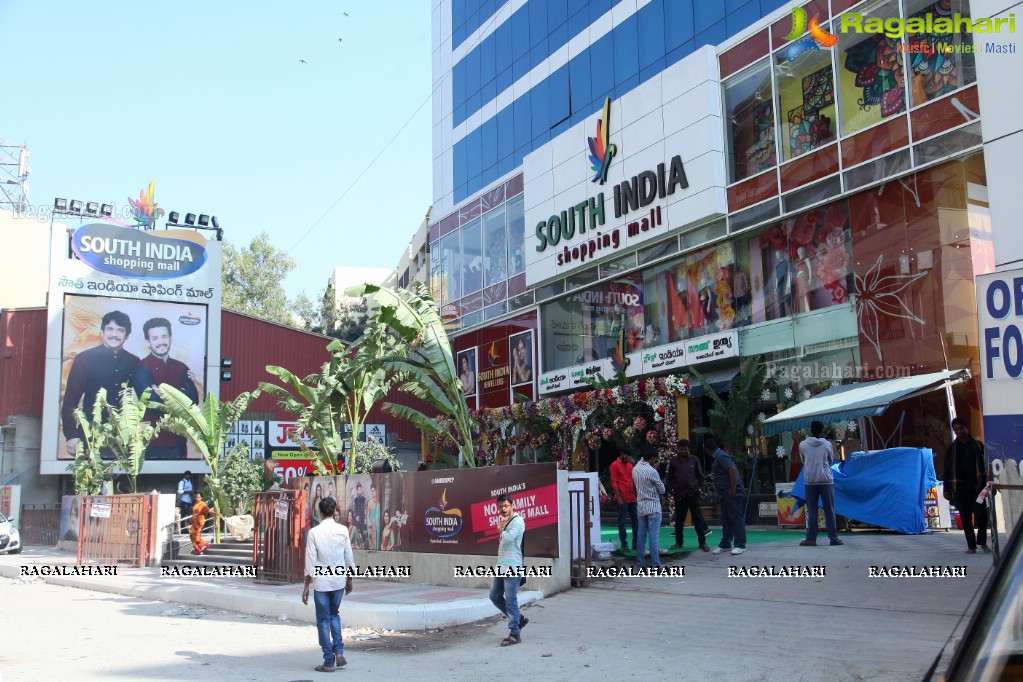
(89, 469)
(207, 427)
(127, 432)
(426, 367)
(728, 418)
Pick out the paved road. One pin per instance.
(843, 626)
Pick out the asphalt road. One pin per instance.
(704, 626)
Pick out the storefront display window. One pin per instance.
(749, 104)
(933, 71)
(446, 269)
(495, 246)
(587, 325)
(806, 102)
(516, 236)
(872, 82)
(472, 257)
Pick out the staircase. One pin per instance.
(227, 552)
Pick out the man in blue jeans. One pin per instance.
(818, 456)
(328, 558)
(504, 591)
(728, 487)
(649, 489)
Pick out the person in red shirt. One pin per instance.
(159, 368)
(625, 495)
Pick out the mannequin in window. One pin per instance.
(804, 279)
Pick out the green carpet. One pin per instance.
(667, 537)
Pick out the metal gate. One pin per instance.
(579, 510)
(278, 549)
(116, 528)
(39, 524)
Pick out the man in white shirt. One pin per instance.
(328, 559)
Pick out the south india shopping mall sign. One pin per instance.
(138, 254)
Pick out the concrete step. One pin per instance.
(201, 561)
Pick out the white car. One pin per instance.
(10, 540)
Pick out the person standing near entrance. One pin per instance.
(185, 498)
(625, 495)
(817, 457)
(729, 491)
(965, 478)
(328, 551)
(504, 591)
(684, 482)
(649, 490)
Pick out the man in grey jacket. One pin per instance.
(817, 457)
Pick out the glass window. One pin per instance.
(936, 66)
(437, 274)
(871, 82)
(516, 235)
(806, 102)
(495, 246)
(472, 256)
(450, 268)
(749, 106)
(691, 296)
(587, 325)
(617, 266)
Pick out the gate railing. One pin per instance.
(579, 509)
(278, 544)
(116, 528)
(39, 524)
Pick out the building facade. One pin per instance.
(673, 184)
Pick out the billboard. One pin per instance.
(131, 306)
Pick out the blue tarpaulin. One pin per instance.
(883, 488)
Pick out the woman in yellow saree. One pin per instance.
(199, 511)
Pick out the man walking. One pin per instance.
(729, 491)
(648, 503)
(965, 478)
(160, 368)
(328, 558)
(818, 456)
(625, 495)
(504, 590)
(185, 499)
(684, 482)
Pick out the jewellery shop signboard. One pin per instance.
(668, 357)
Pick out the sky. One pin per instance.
(211, 101)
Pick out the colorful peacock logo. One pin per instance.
(818, 38)
(619, 360)
(492, 356)
(442, 522)
(601, 149)
(145, 211)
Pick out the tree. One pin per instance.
(345, 319)
(328, 310)
(127, 432)
(252, 280)
(241, 478)
(89, 469)
(368, 452)
(304, 312)
(729, 418)
(425, 368)
(207, 428)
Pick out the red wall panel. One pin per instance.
(21, 362)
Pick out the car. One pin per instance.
(10, 539)
(991, 648)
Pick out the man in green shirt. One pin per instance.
(504, 591)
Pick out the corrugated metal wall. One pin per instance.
(21, 362)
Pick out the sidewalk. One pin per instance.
(373, 603)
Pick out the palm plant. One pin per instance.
(206, 427)
(426, 369)
(729, 418)
(89, 469)
(127, 432)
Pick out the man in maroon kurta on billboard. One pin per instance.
(159, 368)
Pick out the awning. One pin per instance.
(852, 401)
(720, 380)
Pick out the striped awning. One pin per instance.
(852, 401)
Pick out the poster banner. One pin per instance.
(450, 511)
(128, 306)
(10, 500)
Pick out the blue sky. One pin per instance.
(210, 100)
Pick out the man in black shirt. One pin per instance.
(106, 366)
(965, 477)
